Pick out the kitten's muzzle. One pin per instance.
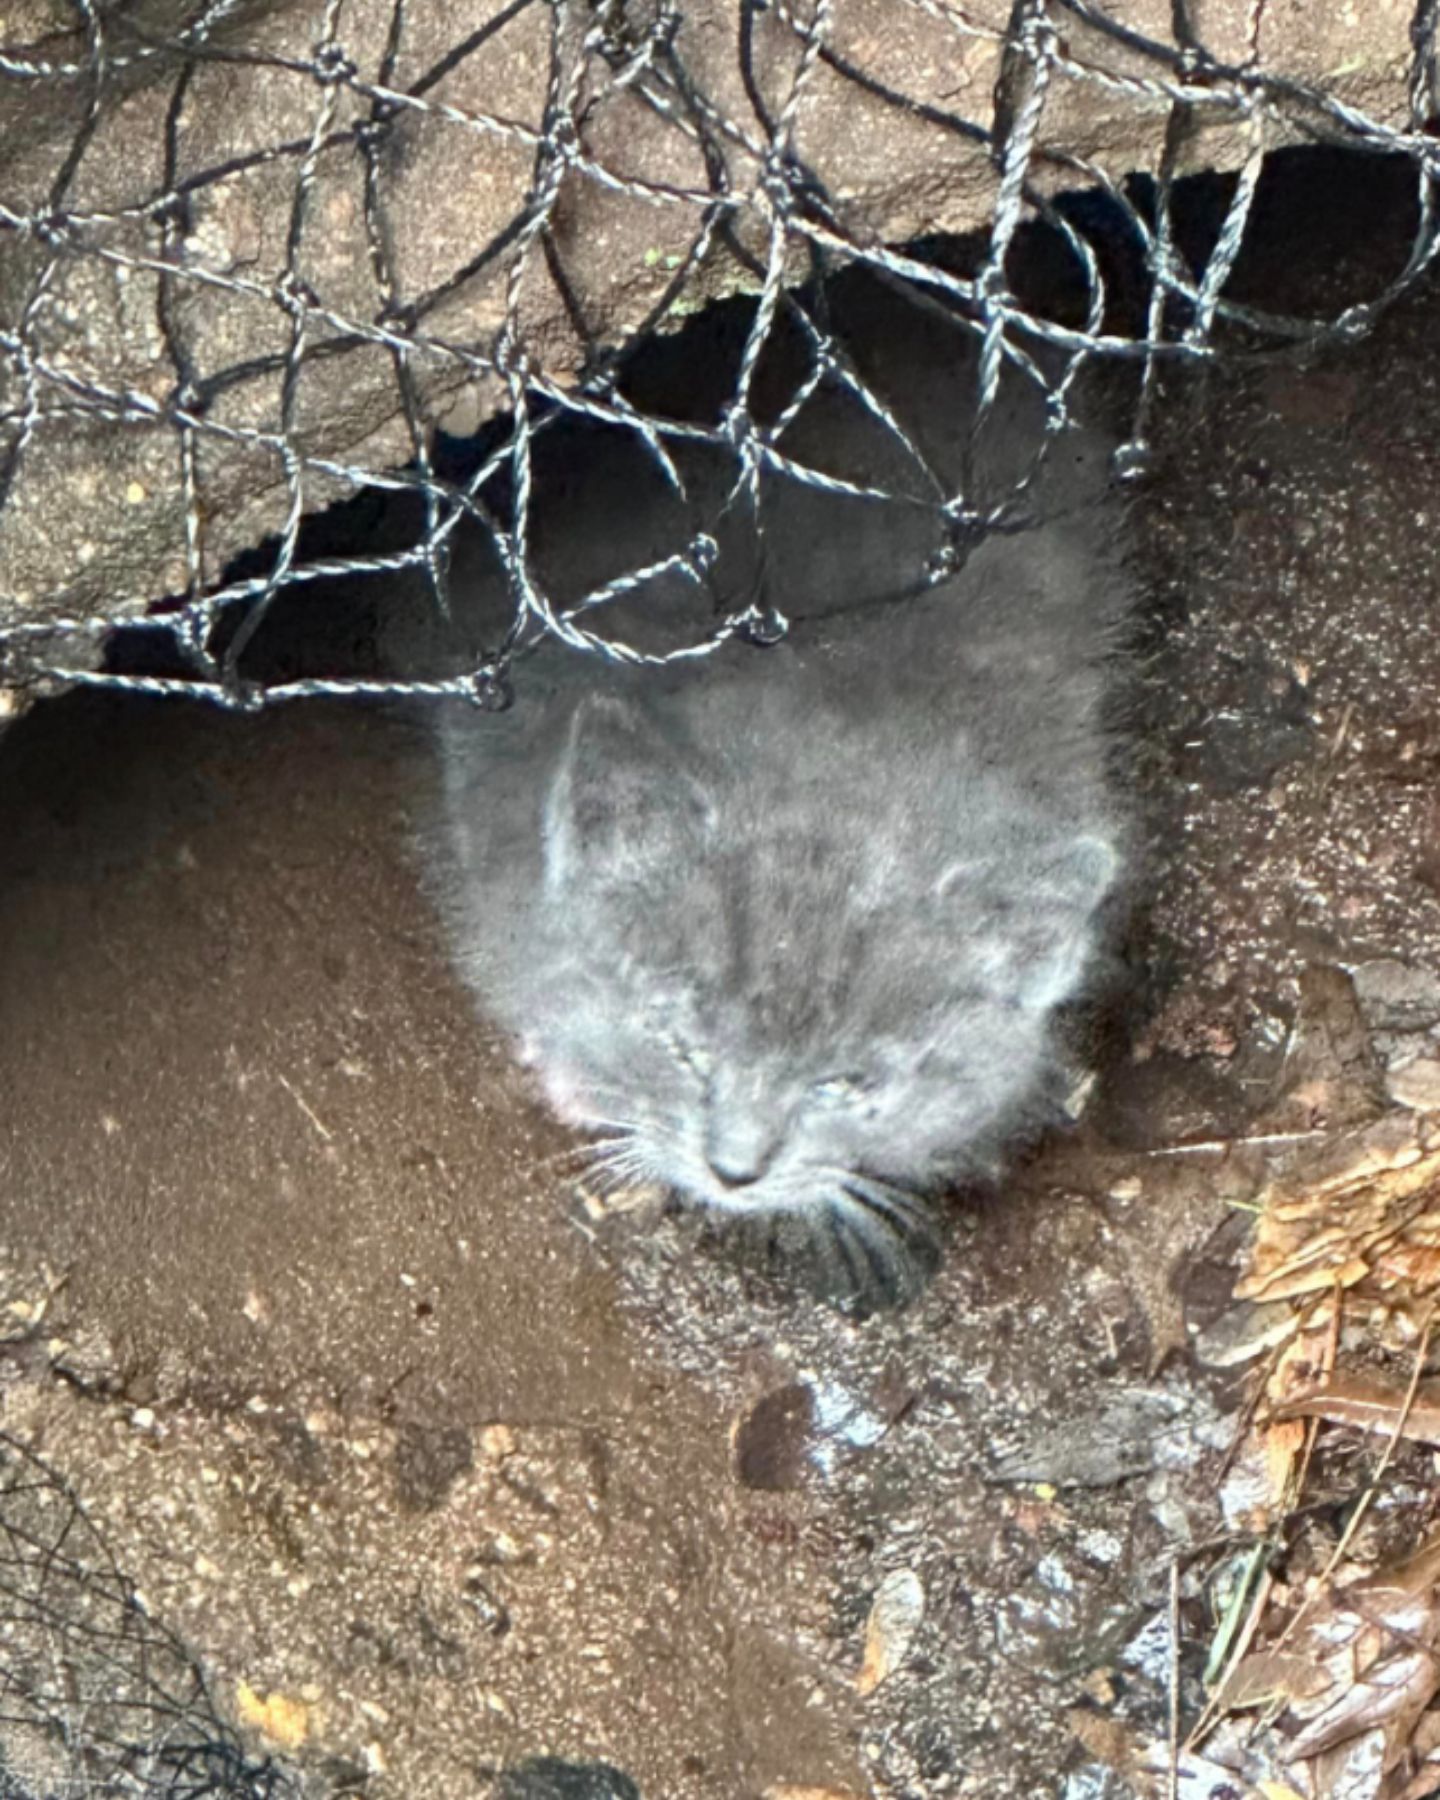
(737, 1174)
(739, 1147)
(744, 1127)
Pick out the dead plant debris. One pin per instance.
(1331, 1678)
(1323, 1665)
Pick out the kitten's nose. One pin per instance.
(739, 1146)
(735, 1172)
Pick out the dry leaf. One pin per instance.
(1282, 1444)
(1370, 1405)
(895, 1616)
(1265, 1676)
(283, 1721)
(1423, 1785)
(1145, 1764)
(1362, 1205)
(788, 1791)
(1426, 1741)
(1110, 1741)
(1359, 1659)
(1283, 1440)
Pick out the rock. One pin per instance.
(895, 1615)
(1133, 1432)
(774, 1442)
(1244, 1332)
(1416, 1084)
(1394, 996)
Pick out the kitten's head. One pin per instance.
(770, 1003)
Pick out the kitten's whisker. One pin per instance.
(622, 1157)
(844, 1242)
(903, 1195)
(578, 1153)
(604, 1149)
(608, 1182)
(619, 1175)
(881, 1267)
(619, 1127)
(620, 1163)
(899, 1222)
(899, 1204)
(872, 1218)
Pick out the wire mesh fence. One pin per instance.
(253, 256)
(97, 1699)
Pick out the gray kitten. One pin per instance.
(788, 928)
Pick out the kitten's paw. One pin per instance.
(859, 1261)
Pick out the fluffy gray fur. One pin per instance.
(788, 929)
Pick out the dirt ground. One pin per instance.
(453, 1488)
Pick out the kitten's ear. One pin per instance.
(620, 798)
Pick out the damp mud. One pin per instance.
(453, 1483)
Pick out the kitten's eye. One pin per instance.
(834, 1090)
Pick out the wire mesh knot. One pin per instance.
(779, 178)
(371, 133)
(293, 293)
(992, 290)
(510, 358)
(53, 229)
(1355, 322)
(763, 626)
(737, 428)
(332, 65)
(489, 688)
(701, 554)
(243, 695)
(562, 136)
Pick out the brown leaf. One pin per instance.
(1361, 1205)
(1392, 1693)
(1282, 1446)
(788, 1791)
(1267, 1675)
(1110, 1741)
(1359, 1659)
(1422, 1785)
(1144, 1764)
(279, 1717)
(1369, 1405)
